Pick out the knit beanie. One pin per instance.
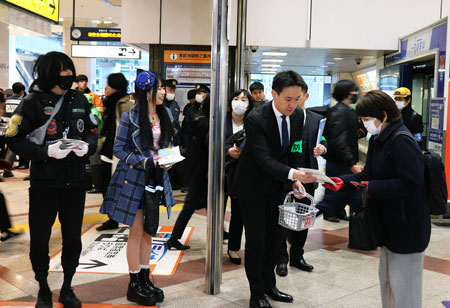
(118, 82)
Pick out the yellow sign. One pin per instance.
(45, 8)
(187, 56)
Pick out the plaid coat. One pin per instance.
(126, 189)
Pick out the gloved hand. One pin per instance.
(55, 151)
(81, 151)
(360, 185)
(339, 184)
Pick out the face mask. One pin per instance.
(239, 107)
(400, 104)
(354, 98)
(371, 128)
(65, 82)
(170, 96)
(199, 98)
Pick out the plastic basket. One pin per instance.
(3, 128)
(297, 216)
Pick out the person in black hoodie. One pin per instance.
(411, 119)
(116, 102)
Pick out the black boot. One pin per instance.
(148, 286)
(44, 300)
(136, 292)
(69, 299)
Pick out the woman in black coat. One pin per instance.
(394, 176)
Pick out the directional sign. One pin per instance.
(95, 34)
(46, 8)
(105, 52)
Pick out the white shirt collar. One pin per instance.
(275, 110)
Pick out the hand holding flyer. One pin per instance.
(317, 174)
(169, 156)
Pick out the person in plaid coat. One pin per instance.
(142, 131)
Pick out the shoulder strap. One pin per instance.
(398, 133)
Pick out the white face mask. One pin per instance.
(239, 107)
(170, 96)
(199, 98)
(371, 128)
(400, 104)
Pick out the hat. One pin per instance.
(200, 87)
(117, 81)
(171, 83)
(81, 78)
(402, 92)
(145, 80)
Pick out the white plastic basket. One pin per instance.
(297, 216)
(3, 128)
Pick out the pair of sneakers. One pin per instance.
(67, 298)
(8, 235)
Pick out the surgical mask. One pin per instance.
(371, 128)
(65, 82)
(400, 104)
(199, 98)
(170, 96)
(354, 98)
(239, 107)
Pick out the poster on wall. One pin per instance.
(436, 125)
(188, 67)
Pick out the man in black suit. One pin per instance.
(309, 154)
(264, 175)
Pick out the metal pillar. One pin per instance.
(219, 85)
(240, 43)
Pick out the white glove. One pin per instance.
(81, 151)
(55, 151)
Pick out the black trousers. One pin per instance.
(236, 226)
(262, 240)
(45, 204)
(5, 223)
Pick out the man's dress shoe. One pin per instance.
(301, 265)
(281, 270)
(279, 296)
(259, 303)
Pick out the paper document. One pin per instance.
(320, 132)
(317, 174)
(71, 143)
(170, 156)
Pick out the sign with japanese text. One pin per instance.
(95, 34)
(187, 56)
(48, 9)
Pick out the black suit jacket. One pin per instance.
(261, 169)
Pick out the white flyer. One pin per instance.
(317, 174)
(170, 156)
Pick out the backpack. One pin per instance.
(436, 195)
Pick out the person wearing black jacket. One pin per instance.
(342, 131)
(394, 177)
(57, 173)
(266, 168)
(309, 154)
(411, 119)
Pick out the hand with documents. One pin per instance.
(169, 156)
(318, 175)
(72, 144)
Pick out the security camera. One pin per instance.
(254, 48)
(358, 61)
(329, 73)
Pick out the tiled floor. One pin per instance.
(341, 278)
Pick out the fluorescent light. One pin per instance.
(19, 28)
(269, 70)
(107, 22)
(338, 59)
(324, 66)
(270, 65)
(268, 73)
(275, 53)
(109, 18)
(330, 63)
(368, 57)
(272, 60)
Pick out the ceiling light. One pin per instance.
(338, 59)
(324, 66)
(330, 63)
(61, 19)
(109, 18)
(107, 22)
(270, 65)
(368, 57)
(275, 53)
(272, 60)
(269, 69)
(19, 28)
(268, 73)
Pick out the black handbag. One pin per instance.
(365, 229)
(153, 194)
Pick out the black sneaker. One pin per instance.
(8, 174)
(9, 236)
(69, 299)
(44, 300)
(108, 225)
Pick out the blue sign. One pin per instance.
(436, 121)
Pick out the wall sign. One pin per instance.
(48, 9)
(95, 34)
(436, 125)
(105, 52)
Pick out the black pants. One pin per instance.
(262, 241)
(236, 226)
(45, 204)
(195, 199)
(5, 223)
(106, 171)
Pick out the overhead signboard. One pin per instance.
(48, 9)
(187, 56)
(95, 34)
(105, 52)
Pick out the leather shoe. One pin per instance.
(44, 300)
(174, 243)
(108, 225)
(279, 296)
(259, 303)
(234, 260)
(301, 265)
(69, 299)
(281, 269)
(331, 218)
